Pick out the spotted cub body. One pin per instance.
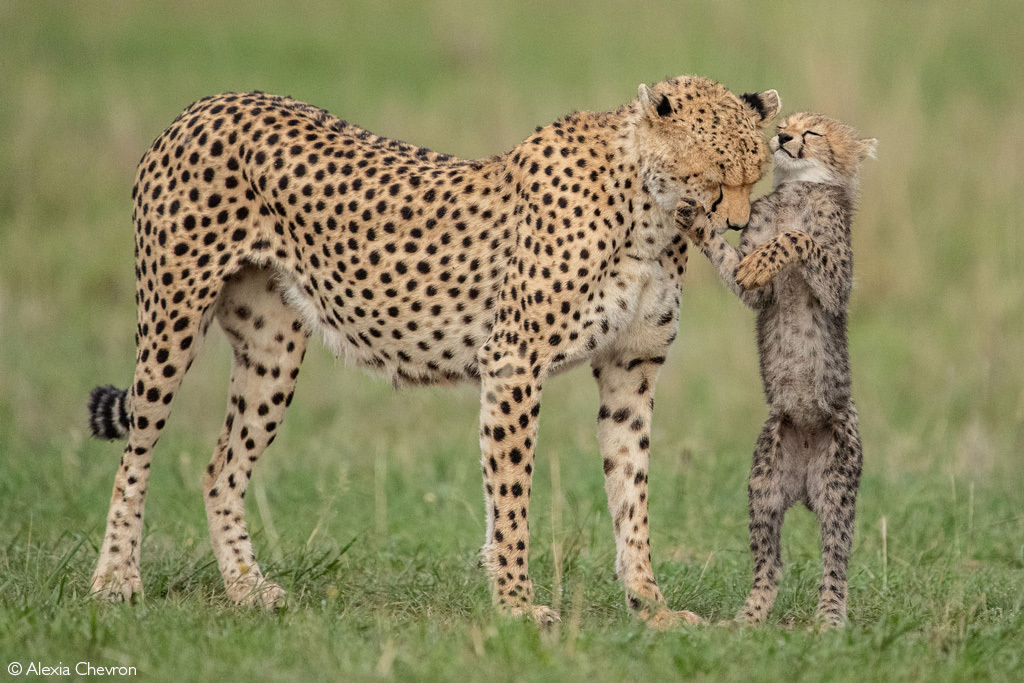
(278, 221)
(794, 266)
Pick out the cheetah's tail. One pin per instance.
(108, 413)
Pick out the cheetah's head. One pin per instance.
(698, 141)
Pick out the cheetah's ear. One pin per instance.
(868, 146)
(765, 104)
(653, 104)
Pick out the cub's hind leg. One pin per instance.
(833, 484)
(269, 341)
(767, 506)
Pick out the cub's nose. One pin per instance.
(784, 138)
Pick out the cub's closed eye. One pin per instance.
(811, 132)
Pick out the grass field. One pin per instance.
(368, 508)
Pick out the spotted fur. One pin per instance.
(278, 220)
(794, 265)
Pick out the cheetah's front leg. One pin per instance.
(624, 426)
(510, 404)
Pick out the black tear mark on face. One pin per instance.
(721, 196)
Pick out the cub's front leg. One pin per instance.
(762, 264)
(693, 223)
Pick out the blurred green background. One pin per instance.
(936, 324)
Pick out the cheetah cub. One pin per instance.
(794, 266)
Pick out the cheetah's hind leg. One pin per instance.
(138, 414)
(767, 506)
(269, 342)
(834, 502)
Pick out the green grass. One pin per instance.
(368, 507)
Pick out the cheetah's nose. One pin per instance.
(784, 138)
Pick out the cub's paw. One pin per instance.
(691, 221)
(760, 266)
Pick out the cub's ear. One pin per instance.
(653, 104)
(868, 146)
(765, 104)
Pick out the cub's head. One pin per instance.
(814, 148)
(698, 141)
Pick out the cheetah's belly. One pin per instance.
(409, 339)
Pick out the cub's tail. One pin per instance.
(108, 413)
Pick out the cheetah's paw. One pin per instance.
(828, 621)
(665, 619)
(117, 584)
(544, 616)
(257, 593)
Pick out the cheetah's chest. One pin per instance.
(636, 308)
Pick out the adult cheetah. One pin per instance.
(279, 220)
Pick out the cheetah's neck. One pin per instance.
(646, 200)
(811, 173)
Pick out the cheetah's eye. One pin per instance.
(811, 132)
